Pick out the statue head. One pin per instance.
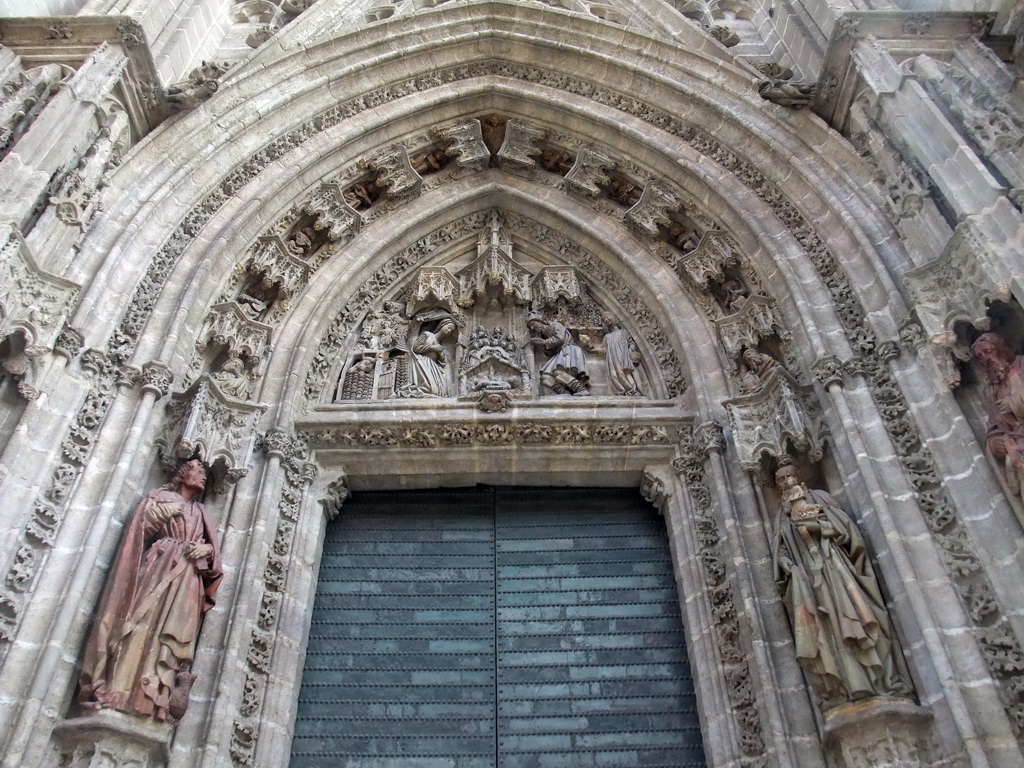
(191, 474)
(994, 354)
(751, 357)
(788, 477)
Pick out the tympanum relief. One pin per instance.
(492, 332)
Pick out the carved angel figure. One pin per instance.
(139, 657)
(841, 630)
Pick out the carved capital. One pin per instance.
(710, 438)
(156, 378)
(827, 370)
(281, 443)
(68, 342)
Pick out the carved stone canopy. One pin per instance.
(709, 259)
(227, 325)
(775, 421)
(494, 267)
(757, 320)
(31, 300)
(434, 287)
(276, 265)
(332, 213)
(557, 282)
(205, 424)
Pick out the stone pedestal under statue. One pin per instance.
(109, 739)
(879, 733)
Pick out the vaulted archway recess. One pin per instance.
(248, 246)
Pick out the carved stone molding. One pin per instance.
(204, 423)
(780, 417)
(694, 449)
(504, 432)
(757, 320)
(957, 287)
(298, 473)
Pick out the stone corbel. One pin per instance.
(227, 324)
(203, 423)
(395, 172)
(775, 421)
(957, 287)
(757, 320)
(880, 732)
(520, 145)
(653, 208)
(655, 487)
(277, 265)
(113, 740)
(467, 144)
(331, 213)
(585, 178)
(201, 83)
(334, 493)
(709, 259)
(434, 287)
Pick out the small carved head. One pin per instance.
(994, 354)
(787, 477)
(191, 474)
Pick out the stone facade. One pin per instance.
(341, 245)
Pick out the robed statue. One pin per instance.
(138, 659)
(1004, 371)
(841, 630)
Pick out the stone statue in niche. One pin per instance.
(233, 379)
(735, 295)
(428, 368)
(1004, 371)
(759, 367)
(841, 631)
(684, 238)
(138, 659)
(565, 371)
(622, 356)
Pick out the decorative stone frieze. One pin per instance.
(589, 173)
(521, 432)
(775, 421)
(652, 209)
(205, 424)
(757, 320)
(956, 287)
(695, 448)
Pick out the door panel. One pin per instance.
(477, 628)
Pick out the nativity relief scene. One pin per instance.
(492, 332)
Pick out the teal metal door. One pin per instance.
(497, 628)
